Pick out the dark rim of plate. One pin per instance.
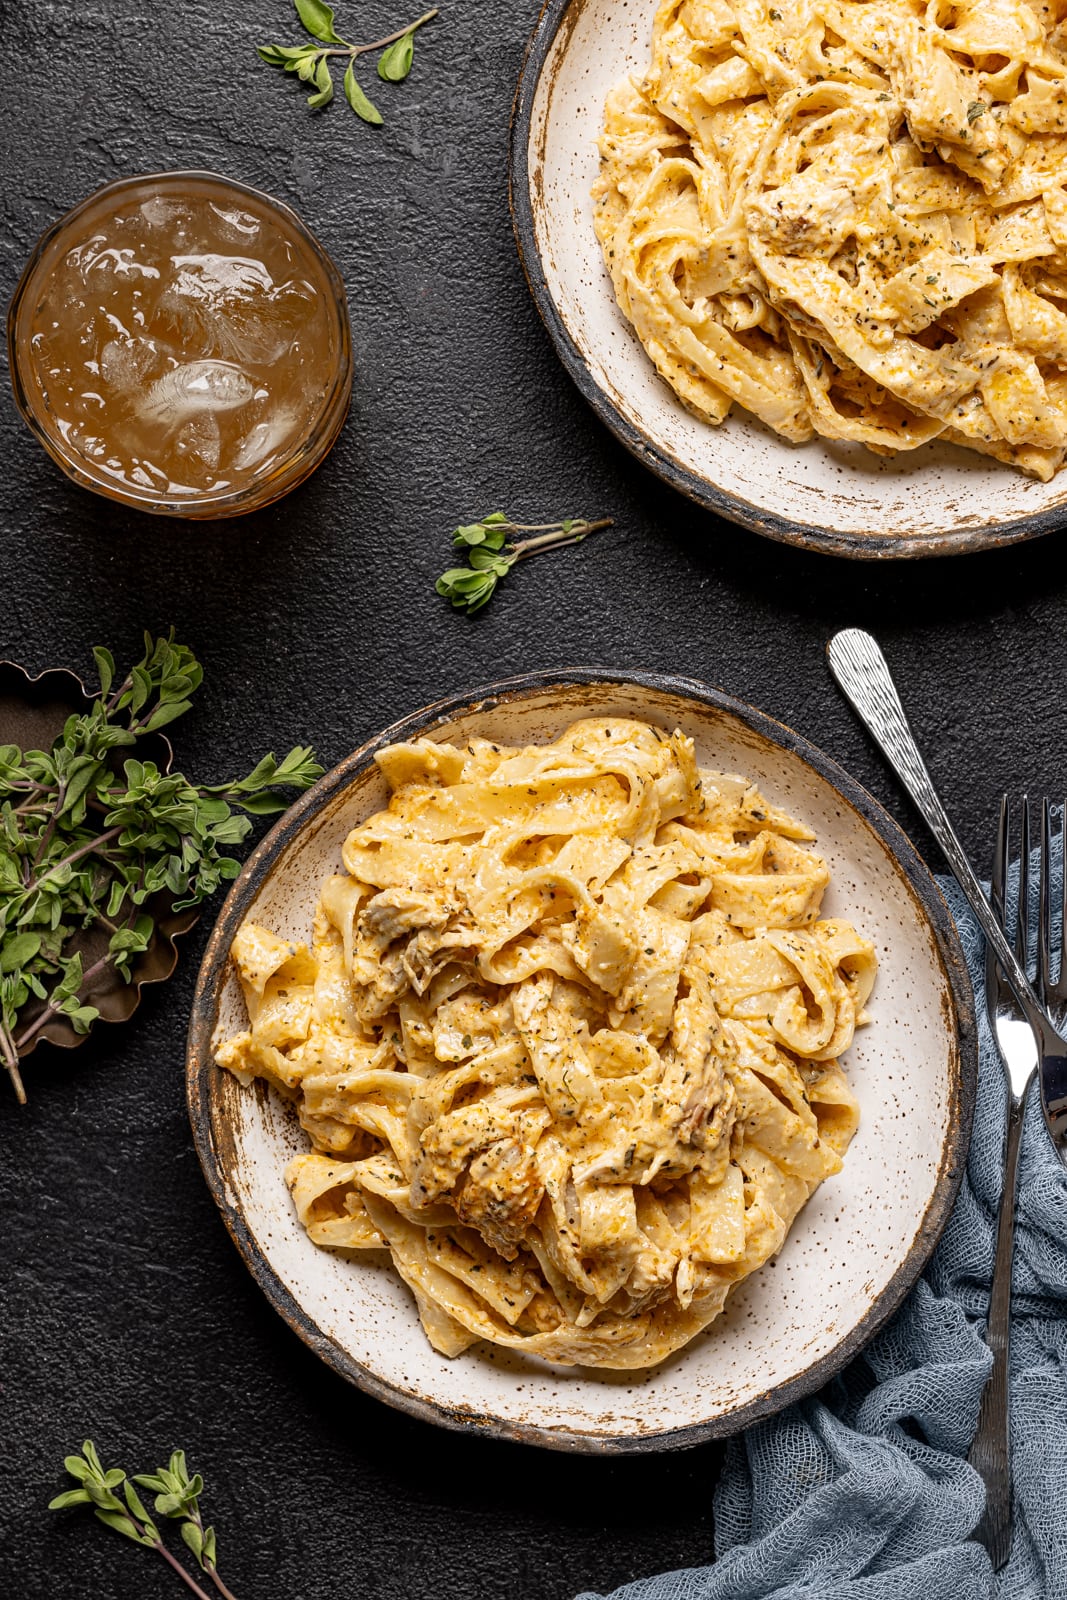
(201, 1070)
(872, 546)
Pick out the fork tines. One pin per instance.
(1052, 839)
(1051, 993)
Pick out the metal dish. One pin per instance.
(937, 500)
(854, 1251)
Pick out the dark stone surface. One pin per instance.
(126, 1312)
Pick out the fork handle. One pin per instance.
(865, 680)
(990, 1454)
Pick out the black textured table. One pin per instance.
(126, 1313)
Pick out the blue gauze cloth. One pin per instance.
(864, 1492)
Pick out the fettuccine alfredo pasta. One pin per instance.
(566, 1040)
(850, 217)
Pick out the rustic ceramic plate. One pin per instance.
(853, 1252)
(840, 498)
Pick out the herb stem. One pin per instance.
(530, 547)
(28, 789)
(533, 547)
(117, 694)
(213, 1573)
(354, 50)
(530, 527)
(83, 850)
(209, 1566)
(46, 837)
(157, 1544)
(51, 1011)
(11, 1062)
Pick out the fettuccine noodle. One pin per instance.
(850, 217)
(566, 1040)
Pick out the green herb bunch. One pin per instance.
(177, 1497)
(86, 842)
(311, 62)
(491, 557)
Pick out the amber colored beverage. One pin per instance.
(181, 343)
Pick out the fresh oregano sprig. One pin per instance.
(177, 1496)
(491, 557)
(311, 62)
(86, 843)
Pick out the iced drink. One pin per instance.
(180, 341)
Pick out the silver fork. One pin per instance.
(990, 1453)
(860, 669)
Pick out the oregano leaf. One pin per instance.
(121, 1524)
(105, 666)
(71, 1497)
(317, 19)
(358, 100)
(394, 63)
(192, 1536)
(19, 951)
(323, 85)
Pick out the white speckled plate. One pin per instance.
(938, 499)
(855, 1249)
